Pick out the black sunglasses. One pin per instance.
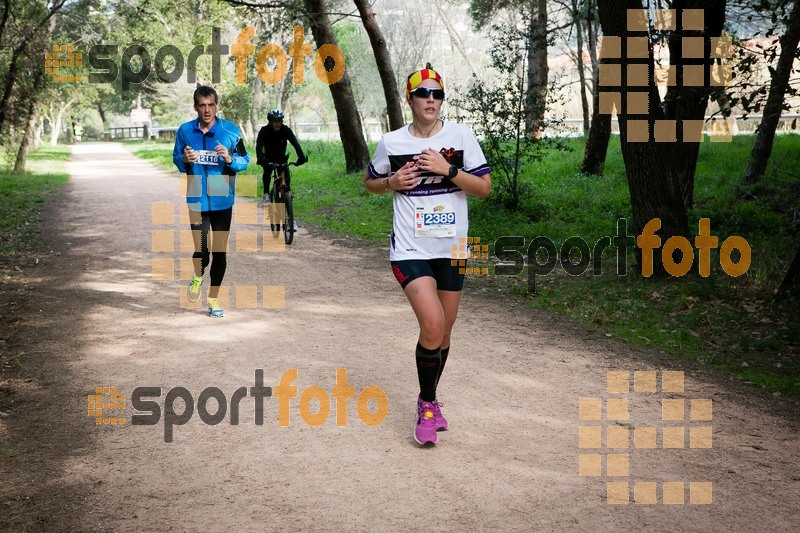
(425, 92)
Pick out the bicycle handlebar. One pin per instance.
(286, 164)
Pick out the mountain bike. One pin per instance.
(281, 212)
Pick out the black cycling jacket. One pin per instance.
(271, 145)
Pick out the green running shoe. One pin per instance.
(193, 290)
(214, 310)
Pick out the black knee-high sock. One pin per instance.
(445, 351)
(428, 364)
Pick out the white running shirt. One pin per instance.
(430, 218)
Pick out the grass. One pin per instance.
(324, 194)
(731, 324)
(24, 196)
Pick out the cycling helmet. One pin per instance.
(275, 114)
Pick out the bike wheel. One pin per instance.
(288, 228)
(275, 212)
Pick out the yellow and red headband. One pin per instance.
(420, 76)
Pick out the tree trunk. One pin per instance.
(683, 103)
(594, 153)
(455, 38)
(790, 287)
(658, 172)
(536, 92)
(11, 79)
(246, 128)
(57, 125)
(4, 18)
(356, 154)
(591, 32)
(102, 113)
(28, 136)
(280, 91)
(37, 138)
(27, 139)
(256, 92)
(384, 64)
(777, 90)
(576, 14)
(599, 134)
(256, 86)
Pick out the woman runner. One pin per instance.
(430, 166)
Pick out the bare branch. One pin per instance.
(266, 5)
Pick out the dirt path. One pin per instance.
(511, 392)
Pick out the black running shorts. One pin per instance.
(446, 276)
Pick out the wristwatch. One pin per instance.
(453, 172)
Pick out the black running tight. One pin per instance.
(218, 224)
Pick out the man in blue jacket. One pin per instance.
(210, 151)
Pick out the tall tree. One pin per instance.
(34, 23)
(384, 64)
(34, 102)
(455, 36)
(577, 16)
(350, 127)
(538, 70)
(775, 101)
(535, 12)
(684, 100)
(28, 134)
(583, 26)
(356, 154)
(409, 37)
(59, 101)
(4, 16)
(790, 287)
(599, 133)
(660, 173)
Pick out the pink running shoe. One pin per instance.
(425, 430)
(438, 417)
(441, 421)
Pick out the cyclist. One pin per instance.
(210, 151)
(271, 148)
(429, 166)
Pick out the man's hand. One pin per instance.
(223, 153)
(302, 160)
(189, 155)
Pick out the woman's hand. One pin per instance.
(434, 162)
(406, 178)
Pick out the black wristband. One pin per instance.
(453, 172)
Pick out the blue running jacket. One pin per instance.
(210, 187)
